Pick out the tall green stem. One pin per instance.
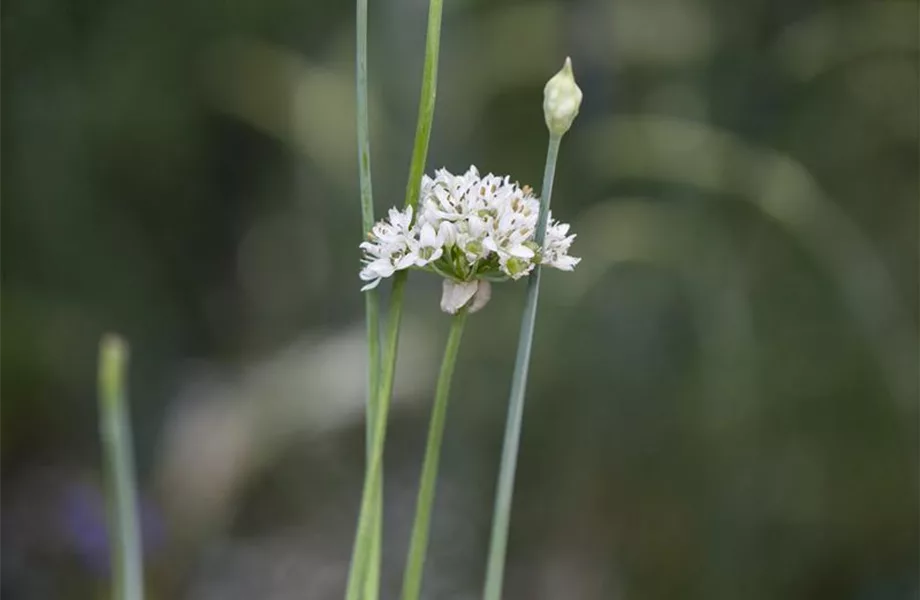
(426, 102)
(372, 298)
(418, 547)
(372, 573)
(115, 430)
(364, 143)
(502, 515)
(372, 493)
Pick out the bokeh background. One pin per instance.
(723, 396)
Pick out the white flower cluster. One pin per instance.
(469, 229)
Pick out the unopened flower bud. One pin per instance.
(561, 100)
(455, 294)
(482, 296)
(474, 294)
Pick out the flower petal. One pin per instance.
(482, 297)
(371, 285)
(406, 261)
(427, 236)
(455, 295)
(521, 251)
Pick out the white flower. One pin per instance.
(387, 249)
(556, 246)
(428, 247)
(469, 229)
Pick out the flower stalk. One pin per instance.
(562, 99)
(115, 431)
(418, 545)
(501, 515)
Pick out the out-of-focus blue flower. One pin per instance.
(83, 522)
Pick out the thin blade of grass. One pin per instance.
(121, 496)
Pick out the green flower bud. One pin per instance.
(561, 100)
(515, 266)
(474, 247)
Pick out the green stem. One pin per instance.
(412, 580)
(371, 575)
(364, 143)
(115, 430)
(426, 103)
(371, 496)
(501, 517)
(371, 493)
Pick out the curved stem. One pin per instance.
(418, 546)
(115, 430)
(498, 543)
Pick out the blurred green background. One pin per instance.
(723, 399)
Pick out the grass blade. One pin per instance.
(115, 430)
